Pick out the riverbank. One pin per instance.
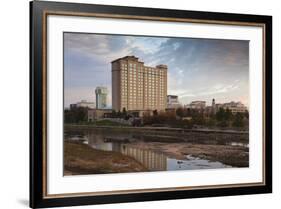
(155, 134)
(81, 159)
(149, 128)
(235, 156)
(105, 145)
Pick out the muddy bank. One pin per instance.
(135, 134)
(109, 150)
(81, 159)
(153, 129)
(235, 156)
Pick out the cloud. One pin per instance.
(197, 68)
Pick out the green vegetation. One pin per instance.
(75, 115)
(107, 123)
(238, 120)
(179, 118)
(189, 118)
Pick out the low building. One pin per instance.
(196, 105)
(235, 107)
(83, 103)
(173, 102)
(95, 114)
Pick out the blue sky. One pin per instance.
(198, 69)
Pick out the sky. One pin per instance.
(198, 69)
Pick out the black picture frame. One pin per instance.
(38, 11)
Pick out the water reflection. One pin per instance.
(152, 160)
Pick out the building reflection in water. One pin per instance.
(153, 161)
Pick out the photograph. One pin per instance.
(137, 103)
(133, 104)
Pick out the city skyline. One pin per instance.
(199, 69)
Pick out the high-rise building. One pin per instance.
(101, 97)
(138, 87)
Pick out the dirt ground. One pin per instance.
(82, 159)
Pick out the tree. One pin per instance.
(247, 114)
(223, 117)
(155, 112)
(119, 114)
(220, 115)
(228, 115)
(198, 119)
(188, 112)
(124, 112)
(76, 115)
(211, 122)
(180, 112)
(238, 120)
(114, 114)
(222, 123)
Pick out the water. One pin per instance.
(193, 163)
(157, 159)
(239, 144)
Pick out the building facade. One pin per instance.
(83, 103)
(234, 107)
(95, 114)
(101, 97)
(173, 102)
(197, 105)
(138, 87)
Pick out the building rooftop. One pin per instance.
(198, 101)
(162, 66)
(170, 95)
(127, 58)
(136, 59)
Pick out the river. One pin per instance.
(169, 152)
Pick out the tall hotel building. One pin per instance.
(138, 87)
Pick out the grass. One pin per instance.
(108, 123)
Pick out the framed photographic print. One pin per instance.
(140, 104)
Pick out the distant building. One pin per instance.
(83, 103)
(101, 97)
(173, 102)
(138, 87)
(196, 105)
(95, 114)
(234, 107)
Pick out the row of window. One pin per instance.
(145, 71)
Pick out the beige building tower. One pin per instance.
(138, 87)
